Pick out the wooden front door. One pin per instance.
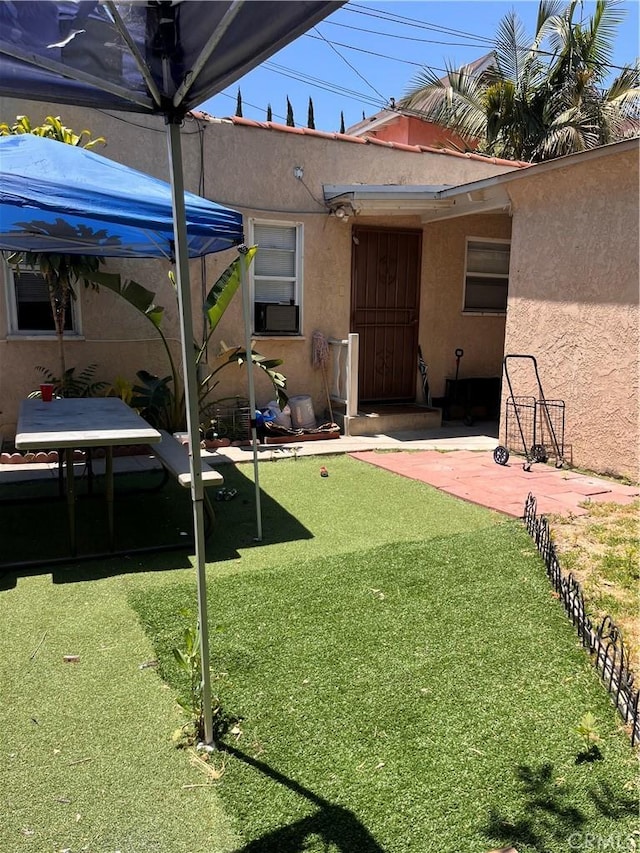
(385, 297)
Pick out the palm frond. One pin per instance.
(425, 92)
(457, 104)
(509, 50)
(601, 33)
(625, 88)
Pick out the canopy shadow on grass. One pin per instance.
(36, 527)
(547, 814)
(335, 825)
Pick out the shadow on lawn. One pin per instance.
(331, 824)
(548, 816)
(144, 517)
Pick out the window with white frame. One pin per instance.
(276, 275)
(29, 308)
(486, 275)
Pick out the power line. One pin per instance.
(404, 38)
(254, 106)
(346, 61)
(384, 55)
(319, 83)
(400, 20)
(412, 22)
(435, 67)
(416, 24)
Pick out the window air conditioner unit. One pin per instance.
(275, 318)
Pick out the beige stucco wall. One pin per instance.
(443, 325)
(574, 302)
(241, 166)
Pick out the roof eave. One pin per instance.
(428, 202)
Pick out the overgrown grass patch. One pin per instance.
(602, 550)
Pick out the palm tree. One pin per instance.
(532, 103)
(60, 272)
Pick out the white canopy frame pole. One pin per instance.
(191, 399)
(246, 310)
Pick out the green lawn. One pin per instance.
(402, 677)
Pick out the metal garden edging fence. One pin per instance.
(605, 642)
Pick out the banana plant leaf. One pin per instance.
(223, 291)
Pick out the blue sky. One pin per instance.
(358, 58)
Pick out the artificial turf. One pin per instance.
(402, 677)
(415, 696)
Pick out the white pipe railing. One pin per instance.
(344, 373)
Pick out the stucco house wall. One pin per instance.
(444, 326)
(573, 301)
(248, 166)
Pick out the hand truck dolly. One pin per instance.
(535, 420)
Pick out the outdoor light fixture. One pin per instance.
(298, 172)
(342, 213)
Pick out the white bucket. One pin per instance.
(302, 415)
(283, 418)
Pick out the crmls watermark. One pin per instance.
(591, 841)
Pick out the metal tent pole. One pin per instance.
(183, 287)
(246, 310)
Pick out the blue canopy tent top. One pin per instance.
(160, 57)
(59, 198)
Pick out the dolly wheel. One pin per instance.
(501, 455)
(539, 453)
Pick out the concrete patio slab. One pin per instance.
(475, 477)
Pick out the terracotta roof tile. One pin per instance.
(249, 122)
(471, 155)
(361, 140)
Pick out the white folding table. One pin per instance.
(76, 423)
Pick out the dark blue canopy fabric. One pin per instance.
(58, 198)
(154, 57)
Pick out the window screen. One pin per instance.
(275, 264)
(487, 276)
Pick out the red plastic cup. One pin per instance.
(46, 392)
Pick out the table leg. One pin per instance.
(108, 470)
(89, 458)
(61, 472)
(71, 498)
